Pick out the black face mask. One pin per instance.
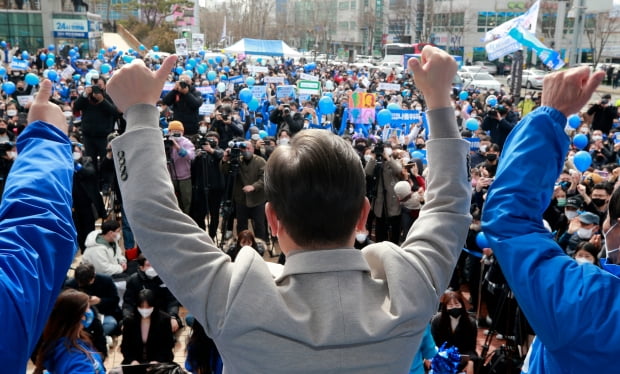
(455, 312)
(491, 157)
(419, 146)
(360, 147)
(599, 202)
(2, 131)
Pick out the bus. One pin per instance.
(394, 52)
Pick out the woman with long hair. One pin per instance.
(202, 354)
(65, 346)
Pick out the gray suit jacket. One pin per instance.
(331, 311)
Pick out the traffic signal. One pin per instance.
(185, 34)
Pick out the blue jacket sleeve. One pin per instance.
(37, 239)
(559, 297)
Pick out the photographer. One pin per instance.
(287, 118)
(497, 123)
(180, 153)
(604, 114)
(225, 125)
(248, 190)
(207, 182)
(184, 100)
(98, 116)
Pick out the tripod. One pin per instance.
(226, 208)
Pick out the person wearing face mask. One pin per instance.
(526, 105)
(147, 337)
(185, 100)
(87, 201)
(286, 117)
(147, 278)
(180, 157)
(22, 89)
(587, 253)
(5, 135)
(491, 160)
(584, 227)
(453, 325)
(248, 190)
(597, 201)
(104, 252)
(65, 346)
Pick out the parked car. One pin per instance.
(480, 81)
(386, 67)
(532, 78)
(486, 67)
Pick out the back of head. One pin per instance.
(317, 175)
(84, 273)
(614, 206)
(109, 225)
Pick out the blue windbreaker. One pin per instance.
(574, 309)
(37, 240)
(73, 361)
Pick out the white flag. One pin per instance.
(528, 21)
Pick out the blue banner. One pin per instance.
(548, 56)
(237, 79)
(19, 64)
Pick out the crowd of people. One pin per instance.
(216, 152)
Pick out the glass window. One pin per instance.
(354, 4)
(343, 5)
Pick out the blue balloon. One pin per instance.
(384, 117)
(42, 56)
(201, 53)
(110, 50)
(157, 66)
(128, 59)
(580, 141)
(3, 44)
(114, 47)
(105, 68)
(32, 79)
(227, 69)
(263, 134)
(191, 62)
(491, 100)
(223, 77)
(156, 48)
(51, 48)
(188, 67)
(50, 62)
(218, 59)
(481, 240)
(464, 95)
(52, 75)
(101, 51)
(142, 47)
(201, 69)
(211, 75)
(2, 71)
(211, 62)
(130, 51)
(245, 95)
(253, 104)
(472, 124)
(309, 67)
(76, 77)
(8, 87)
(574, 121)
(189, 73)
(326, 105)
(250, 81)
(582, 160)
(25, 55)
(393, 106)
(178, 70)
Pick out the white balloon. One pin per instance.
(221, 87)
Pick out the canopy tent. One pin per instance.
(262, 47)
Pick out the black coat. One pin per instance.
(164, 300)
(185, 109)
(159, 343)
(463, 337)
(104, 288)
(97, 118)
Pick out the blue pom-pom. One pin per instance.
(446, 361)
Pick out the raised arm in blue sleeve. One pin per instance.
(564, 302)
(37, 240)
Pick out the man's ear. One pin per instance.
(272, 219)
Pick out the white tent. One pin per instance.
(262, 47)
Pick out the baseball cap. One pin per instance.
(588, 218)
(574, 201)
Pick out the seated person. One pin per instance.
(147, 337)
(102, 292)
(104, 252)
(452, 325)
(245, 238)
(146, 278)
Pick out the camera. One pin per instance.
(97, 90)
(379, 149)
(202, 141)
(183, 84)
(235, 150)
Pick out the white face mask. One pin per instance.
(145, 312)
(12, 155)
(11, 112)
(406, 160)
(68, 114)
(388, 152)
(570, 214)
(583, 260)
(255, 137)
(457, 113)
(117, 236)
(360, 237)
(203, 130)
(483, 148)
(150, 272)
(77, 156)
(584, 233)
(597, 137)
(367, 158)
(283, 141)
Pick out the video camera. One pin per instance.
(204, 140)
(235, 150)
(379, 150)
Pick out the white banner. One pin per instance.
(501, 47)
(258, 69)
(308, 77)
(275, 80)
(388, 86)
(198, 42)
(206, 109)
(180, 46)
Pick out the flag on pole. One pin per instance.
(223, 38)
(528, 21)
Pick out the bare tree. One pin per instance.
(598, 30)
(154, 12)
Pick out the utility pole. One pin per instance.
(580, 11)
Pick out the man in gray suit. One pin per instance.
(334, 309)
